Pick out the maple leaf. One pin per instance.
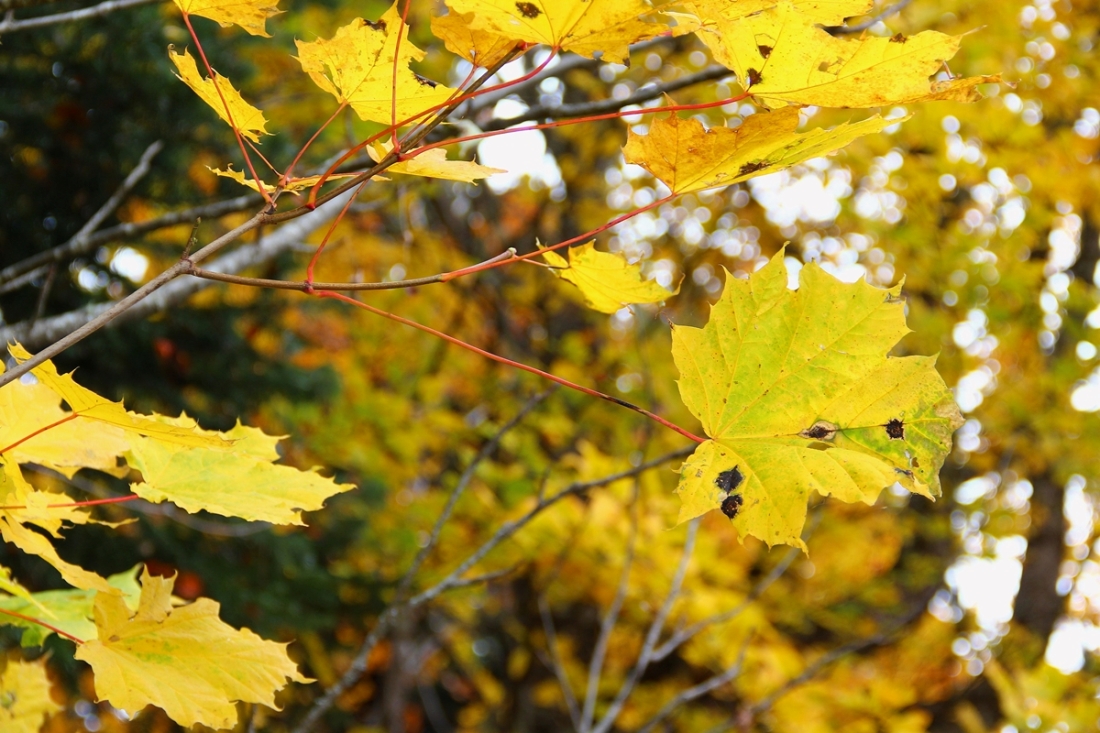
(241, 115)
(433, 164)
(196, 478)
(68, 610)
(585, 27)
(797, 394)
(250, 15)
(606, 279)
(138, 657)
(479, 47)
(687, 157)
(293, 185)
(357, 66)
(25, 697)
(783, 57)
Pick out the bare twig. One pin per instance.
(860, 27)
(9, 25)
(555, 664)
(455, 580)
(645, 657)
(704, 687)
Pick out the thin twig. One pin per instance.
(555, 663)
(645, 657)
(595, 666)
(455, 580)
(704, 687)
(11, 26)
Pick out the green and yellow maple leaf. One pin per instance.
(585, 27)
(67, 610)
(357, 67)
(433, 164)
(797, 394)
(198, 478)
(784, 57)
(251, 15)
(25, 700)
(687, 157)
(138, 657)
(607, 281)
(221, 96)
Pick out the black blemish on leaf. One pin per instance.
(753, 76)
(895, 429)
(765, 51)
(903, 472)
(898, 38)
(425, 82)
(731, 505)
(753, 167)
(529, 10)
(820, 430)
(378, 25)
(729, 480)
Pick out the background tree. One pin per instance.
(595, 614)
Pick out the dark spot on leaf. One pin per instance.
(754, 77)
(765, 51)
(753, 167)
(903, 472)
(898, 38)
(378, 25)
(731, 505)
(729, 480)
(915, 463)
(529, 10)
(425, 82)
(895, 429)
(820, 430)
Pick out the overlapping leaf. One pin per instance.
(786, 58)
(357, 66)
(221, 96)
(139, 658)
(797, 394)
(585, 27)
(251, 15)
(687, 157)
(293, 185)
(479, 47)
(607, 280)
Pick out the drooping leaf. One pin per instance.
(251, 15)
(25, 700)
(239, 481)
(797, 394)
(606, 279)
(434, 164)
(229, 104)
(784, 57)
(687, 157)
(479, 47)
(89, 405)
(138, 658)
(585, 27)
(68, 610)
(357, 65)
(293, 185)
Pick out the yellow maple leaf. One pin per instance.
(606, 279)
(784, 57)
(797, 394)
(433, 164)
(32, 409)
(357, 66)
(25, 697)
(687, 157)
(88, 405)
(251, 15)
(585, 27)
(195, 478)
(294, 185)
(138, 658)
(479, 47)
(241, 115)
